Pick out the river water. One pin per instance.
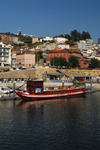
(57, 124)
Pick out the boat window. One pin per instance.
(37, 90)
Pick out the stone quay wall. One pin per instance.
(28, 73)
(38, 73)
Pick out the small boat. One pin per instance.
(4, 90)
(35, 91)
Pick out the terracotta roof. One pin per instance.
(75, 50)
(61, 50)
(26, 52)
(30, 47)
(25, 46)
(15, 49)
(58, 49)
(16, 52)
(38, 50)
(63, 44)
(84, 65)
(49, 58)
(45, 57)
(55, 51)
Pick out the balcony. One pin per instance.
(4, 55)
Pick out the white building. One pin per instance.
(81, 44)
(47, 38)
(60, 39)
(89, 51)
(5, 55)
(88, 44)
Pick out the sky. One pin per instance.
(50, 17)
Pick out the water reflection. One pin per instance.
(67, 101)
(58, 124)
(46, 107)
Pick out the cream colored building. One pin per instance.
(63, 45)
(97, 57)
(35, 39)
(60, 39)
(15, 39)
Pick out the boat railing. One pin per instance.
(64, 87)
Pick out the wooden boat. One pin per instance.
(35, 91)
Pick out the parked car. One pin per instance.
(11, 69)
(29, 68)
(46, 66)
(14, 68)
(40, 66)
(23, 68)
(33, 67)
(19, 68)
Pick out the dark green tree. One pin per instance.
(73, 60)
(54, 61)
(71, 43)
(38, 56)
(59, 61)
(61, 35)
(75, 35)
(67, 36)
(85, 35)
(63, 61)
(94, 63)
(25, 39)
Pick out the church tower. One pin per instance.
(19, 30)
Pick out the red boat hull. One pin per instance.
(46, 96)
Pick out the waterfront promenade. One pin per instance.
(49, 84)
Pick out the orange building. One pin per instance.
(66, 53)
